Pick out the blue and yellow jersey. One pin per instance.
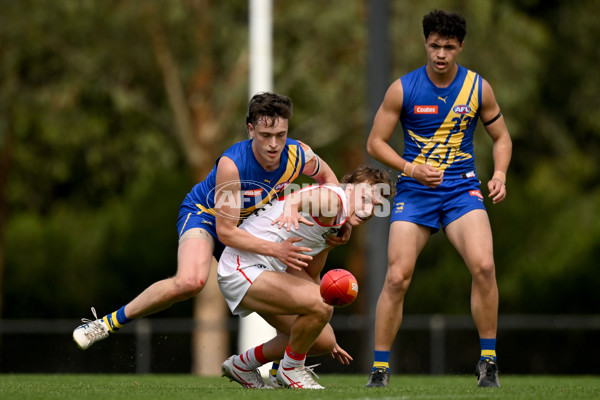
(439, 123)
(258, 186)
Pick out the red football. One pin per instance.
(339, 287)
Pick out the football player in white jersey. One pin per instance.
(291, 301)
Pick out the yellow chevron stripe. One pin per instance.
(292, 171)
(203, 209)
(443, 148)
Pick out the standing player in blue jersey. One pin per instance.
(438, 106)
(245, 177)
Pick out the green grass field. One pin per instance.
(350, 387)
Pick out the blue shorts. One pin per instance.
(421, 205)
(190, 216)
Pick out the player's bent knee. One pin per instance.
(327, 312)
(321, 310)
(186, 288)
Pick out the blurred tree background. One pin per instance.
(111, 110)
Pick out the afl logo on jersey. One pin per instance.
(464, 109)
(426, 109)
(279, 187)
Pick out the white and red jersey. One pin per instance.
(260, 225)
(238, 269)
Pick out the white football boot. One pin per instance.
(90, 332)
(299, 377)
(250, 379)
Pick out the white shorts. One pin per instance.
(236, 272)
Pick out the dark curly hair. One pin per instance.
(268, 106)
(445, 24)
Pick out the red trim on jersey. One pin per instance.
(341, 202)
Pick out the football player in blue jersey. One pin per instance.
(438, 106)
(245, 177)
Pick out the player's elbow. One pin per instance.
(372, 147)
(225, 235)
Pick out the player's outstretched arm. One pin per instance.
(317, 201)
(291, 217)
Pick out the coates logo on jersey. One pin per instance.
(253, 192)
(426, 109)
(462, 109)
(476, 193)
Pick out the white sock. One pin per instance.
(292, 360)
(247, 360)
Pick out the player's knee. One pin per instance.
(484, 270)
(325, 312)
(321, 310)
(188, 287)
(397, 281)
